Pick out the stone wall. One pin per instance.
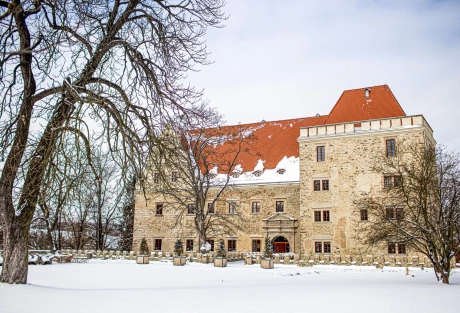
(350, 150)
(286, 258)
(251, 226)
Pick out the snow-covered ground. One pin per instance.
(123, 286)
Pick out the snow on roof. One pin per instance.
(238, 169)
(213, 171)
(260, 166)
(269, 176)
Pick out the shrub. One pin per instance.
(268, 251)
(178, 248)
(221, 253)
(144, 249)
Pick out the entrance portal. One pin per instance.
(280, 245)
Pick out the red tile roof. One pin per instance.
(354, 106)
(272, 141)
(276, 139)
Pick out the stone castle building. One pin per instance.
(298, 187)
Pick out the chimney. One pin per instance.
(367, 92)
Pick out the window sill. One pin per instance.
(158, 214)
(255, 213)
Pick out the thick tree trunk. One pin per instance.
(15, 253)
(442, 272)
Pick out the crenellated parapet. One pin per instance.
(370, 126)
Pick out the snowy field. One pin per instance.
(123, 286)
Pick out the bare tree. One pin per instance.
(67, 66)
(419, 207)
(79, 204)
(193, 168)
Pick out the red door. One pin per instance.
(279, 247)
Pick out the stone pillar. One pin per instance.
(287, 259)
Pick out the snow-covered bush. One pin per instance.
(206, 247)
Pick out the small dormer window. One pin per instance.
(257, 173)
(281, 171)
(236, 175)
(367, 92)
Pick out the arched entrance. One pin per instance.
(280, 245)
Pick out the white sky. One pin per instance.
(280, 59)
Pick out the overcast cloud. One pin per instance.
(283, 59)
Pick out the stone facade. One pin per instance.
(349, 149)
(252, 226)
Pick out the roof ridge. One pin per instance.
(354, 89)
(273, 121)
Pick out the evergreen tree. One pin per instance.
(268, 251)
(125, 242)
(221, 253)
(144, 249)
(178, 248)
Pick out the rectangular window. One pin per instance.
(211, 243)
(322, 216)
(327, 247)
(326, 216)
(399, 213)
(174, 177)
(158, 244)
(388, 181)
(318, 247)
(256, 245)
(401, 248)
(364, 216)
(389, 213)
(392, 181)
(317, 216)
(210, 208)
(317, 185)
(231, 245)
(255, 207)
(189, 245)
(320, 154)
(397, 181)
(156, 178)
(391, 248)
(159, 209)
(190, 208)
(391, 147)
(279, 206)
(232, 207)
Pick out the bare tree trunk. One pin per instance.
(15, 253)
